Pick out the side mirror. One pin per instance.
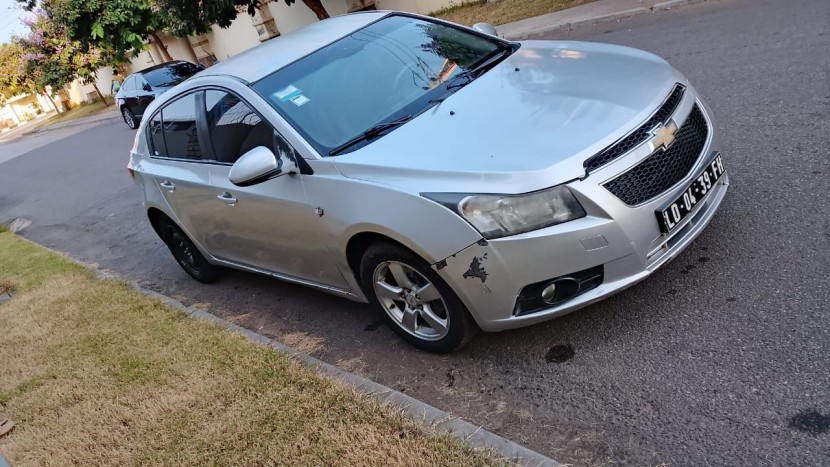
(486, 28)
(147, 87)
(258, 165)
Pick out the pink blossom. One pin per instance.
(29, 56)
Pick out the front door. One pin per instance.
(270, 225)
(143, 96)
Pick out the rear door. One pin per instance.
(178, 166)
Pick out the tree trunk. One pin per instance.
(317, 7)
(46, 93)
(162, 48)
(95, 85)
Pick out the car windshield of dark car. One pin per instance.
(171, 75)
(395, 67)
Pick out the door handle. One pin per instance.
(168, 185)
(227, 198)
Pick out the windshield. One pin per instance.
(171, 75)
(392, 68)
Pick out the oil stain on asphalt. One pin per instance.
(811, 421)
(373, 326)
(560, 353)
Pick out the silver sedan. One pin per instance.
(455, 180)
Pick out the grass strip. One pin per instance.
(95, 373)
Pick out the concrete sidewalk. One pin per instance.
(595, 12)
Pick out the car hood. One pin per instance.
(527, 124)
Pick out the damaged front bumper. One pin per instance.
(623, 242)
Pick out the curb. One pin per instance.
(420, 412)
(70, 124)
(667, 5)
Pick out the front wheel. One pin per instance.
(413, 299)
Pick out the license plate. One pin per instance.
(673, 214)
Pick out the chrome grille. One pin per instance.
(663, 168)
(638, 136)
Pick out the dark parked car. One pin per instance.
(141, 88)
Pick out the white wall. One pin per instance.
(179, 49)
(239, 36)
(293, 17)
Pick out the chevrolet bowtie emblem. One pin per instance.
(664, 136)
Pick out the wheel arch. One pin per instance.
(360, 242)
(155, 215)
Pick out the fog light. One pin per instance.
(549, 293)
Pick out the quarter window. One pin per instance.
(157, 136)
(234, 127)
(129, 85)
(179, 123)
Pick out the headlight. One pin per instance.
(502, 215)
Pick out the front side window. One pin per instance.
(396, 67)
(129, 85)
(234, 127)
(179, 124)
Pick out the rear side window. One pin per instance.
(179, 127)
(234, 127)
(171, 74)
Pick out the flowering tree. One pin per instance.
(51, 60)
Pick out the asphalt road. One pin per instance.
(720, 358)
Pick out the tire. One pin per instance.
(186, 253)
(129, 118)
(435, 321)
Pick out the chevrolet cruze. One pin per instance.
(455, 180)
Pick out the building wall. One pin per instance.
(79, 93)
(179, 48)
(239, 36)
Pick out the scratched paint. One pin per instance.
(476, 269)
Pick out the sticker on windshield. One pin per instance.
(300, 100)
(288, 93)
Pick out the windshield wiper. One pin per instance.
(371, 133)
(470, 75)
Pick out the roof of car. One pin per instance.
(264, 59)
(156, 67)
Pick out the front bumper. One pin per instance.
(625, 240)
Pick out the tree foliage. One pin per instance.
(124, 25)
(13, 79)
(50, 59)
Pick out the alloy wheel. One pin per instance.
(128, 118)
(411, 300)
